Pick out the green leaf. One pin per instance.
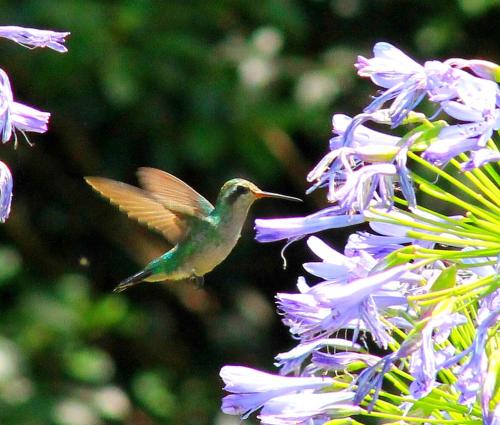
(447, 279)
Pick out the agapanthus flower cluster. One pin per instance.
(15, 116)
(421, 288)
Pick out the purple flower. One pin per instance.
(417, 216)
(484, 69)
(30, 37)
(335, 266)
(406, 81)
(462, 95)
(473, 374)
(292, 360)
(323, 309)
(271, 230)
(372, 378)
(25, 118)
(389, 67)
(347, 165)
(251, 389)
(426, 361)
(476, 95)
(375, 245)
(301, 409)
(473, 101)
(340, 361)
(480, 158)
(365, 289)
(479, 128)
(371, 182)
(444, 149)
(5, 191)
(14, 115)
(358, 134)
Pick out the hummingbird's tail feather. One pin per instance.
(133, 280)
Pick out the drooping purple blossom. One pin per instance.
(25, 118)
(32, 38)
(5, 191)
(407, 82)
(16, 116)
(446, 148)
(360, 136)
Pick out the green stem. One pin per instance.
(452, 241)
(438, 193)
(451, 291)
(423, 420)
(453, 255)
(479, 179)
(433, 227)
(486, 225)
(458, 184)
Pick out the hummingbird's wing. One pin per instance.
(173, 193)
(140, 205)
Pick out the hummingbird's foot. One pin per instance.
(197, 280)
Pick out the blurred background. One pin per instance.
(207, 91)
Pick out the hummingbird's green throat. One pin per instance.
(202, 235)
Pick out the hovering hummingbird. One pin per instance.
(202, 235)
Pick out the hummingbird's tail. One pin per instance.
(133, 280)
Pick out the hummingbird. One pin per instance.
(202, 235)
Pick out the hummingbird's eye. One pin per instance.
(237, 191)
(241, 190)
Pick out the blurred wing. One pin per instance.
(173, 193)
(139, 205)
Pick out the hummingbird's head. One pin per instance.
(244, 193)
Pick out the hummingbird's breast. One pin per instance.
(209, 242)
(217, 238)
(215, 245)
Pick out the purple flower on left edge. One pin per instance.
(16, 116)
(31, 37)
(5, 191)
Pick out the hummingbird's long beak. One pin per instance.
(261, 194)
